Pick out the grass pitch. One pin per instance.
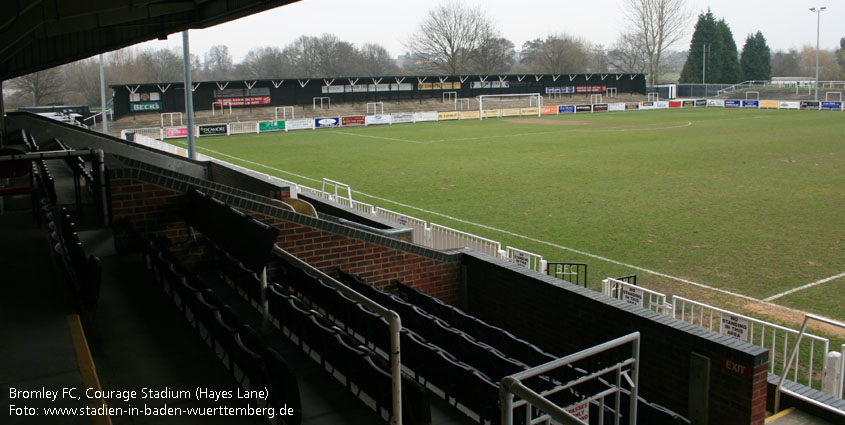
(750, 201)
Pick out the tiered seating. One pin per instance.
(83, 271)
(240, 247)
(253, 364)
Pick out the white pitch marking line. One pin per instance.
(377, 137)
(801, 288)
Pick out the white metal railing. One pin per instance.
(513, 386)
(526, 259)
(420, 226)
(754, 331)
(243, 127)
(794, 355)
(636, 295)
(337, 187)
(443, 237)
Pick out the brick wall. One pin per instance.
(154, 209)
(563, 318)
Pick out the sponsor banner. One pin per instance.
(265, 126)
(212, 129)
(700, 102)
(675, 104)
(401, 117)
(171, 132)
(646, 105)
(590, 89)
(688, 104)
(353, 121)
(732, 103)
(470, 115)
(443, 116)
(719, 103)
(425, 116)
(565, 109)
(769, 104)
(631, 295)
(583, 108)
(326, 122)
(832, 106)
(378, 119)
(600, 107)
(615, 106)
(789, 104)
(332, 89)
(811, 105)
(548, 110)
(560, 90)
(530, 111)
(258, 91)
(300, 124)
(510, 112)
(661, 104)
(750, 103)
(145, 106)
(144, 97)
(734, 326)
(632, 106)
(490, 113)
(244, 101)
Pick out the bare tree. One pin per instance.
(42, 86)
(555, 54)
(377, 61)
(83, 79)
(264, 62)
(160, 66)
(218, 63)
(627, 54)
(446, 39)
(494, 54)
(659, 24)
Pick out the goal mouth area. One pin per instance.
(511, 100)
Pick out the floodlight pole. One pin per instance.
(704, 50)
(818, 12)
(189, 94)
(103, 97)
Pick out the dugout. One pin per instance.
(170, 97)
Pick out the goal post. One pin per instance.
(375, 106)
(284, 110)
(837, 93)
(756, 95)
(512, 100)
(170, 116)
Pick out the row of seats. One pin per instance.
(83, 271)
(242, 350)
(648, 413)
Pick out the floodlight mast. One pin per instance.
(818, 12)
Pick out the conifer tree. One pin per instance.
(756, 58)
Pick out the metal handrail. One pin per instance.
(780, 389)
(393, 320)
(512, 385)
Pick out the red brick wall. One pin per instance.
(152, 209)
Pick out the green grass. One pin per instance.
(751, 201)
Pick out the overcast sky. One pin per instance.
(784, 23)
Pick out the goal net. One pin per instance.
(508, 101)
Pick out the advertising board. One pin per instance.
(688, 104)
(300, 124)
(630, 106)
(719, 103)
(768, 104)
(425, 116)
(378, 119)
(145, 106)
(244, 101)
(646, 105)
(548, 110)
(490, 113)
(732, 103)
(675, 104)
(563, 109)
(530, 111)
(172, 132)
(353, 121)
(615, 106)
(831, 106)
(583, 108)
(470, 115)
(212, 129)
(326, 122)
(810, 105)
(510, 112)
(789, 104)
(750, 103)
(700, 102)
(265, 126)
(401, 117)
(444, 116)
(661, 104)
(600, 107)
